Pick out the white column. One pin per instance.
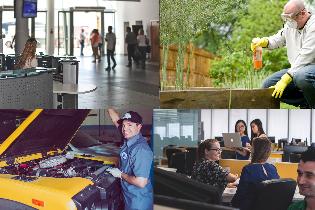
(21, 28)
(50, 27)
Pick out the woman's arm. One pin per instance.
(263, 136)
(242, 151)
(231, 177)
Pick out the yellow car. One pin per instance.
(37, 173)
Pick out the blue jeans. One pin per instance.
(301, 91)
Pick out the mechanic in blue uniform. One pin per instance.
(135, 162)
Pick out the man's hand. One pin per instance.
(256, 42)
(281, 85)
(115, 172)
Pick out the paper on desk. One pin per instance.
(231, 191)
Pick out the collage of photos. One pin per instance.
(157, 105)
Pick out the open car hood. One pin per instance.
(24, 132)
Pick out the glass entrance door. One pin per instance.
(65, 32)
(86, 20)
(71, 23)
(8, 30)
(38, 27)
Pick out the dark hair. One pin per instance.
(241, 121)
(128, 28)
(27, 54)
(260, 128)
(206, 144)
(261, 150)
(308, 155)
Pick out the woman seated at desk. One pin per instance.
(207, 170)
(254, 173)
(28, 58)
(244, 152)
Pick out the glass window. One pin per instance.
(173, 130)
(161, 131)
(188, 131)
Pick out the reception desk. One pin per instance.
(26, 89)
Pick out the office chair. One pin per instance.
(169, 152)
(295, 157)
(176, 185)
(272, 139)
(275, 194)
(179, 203)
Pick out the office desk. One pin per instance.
(66, 95)
(285, 169)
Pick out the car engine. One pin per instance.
(103, 195)
(61, 166)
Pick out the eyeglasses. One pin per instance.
(289, 17)
(217, 149)
(240, 126)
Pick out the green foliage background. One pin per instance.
(225, 28)
(260, 19)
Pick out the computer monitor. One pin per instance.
(295, 141)
(184, 161)
(220, 140)
(272, 139)
(292, 149)
(29, 8)
(282, 142)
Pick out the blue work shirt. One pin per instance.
(135, 160)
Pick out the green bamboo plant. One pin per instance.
(180, 22)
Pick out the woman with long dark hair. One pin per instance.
(28, 58)
(244, 152)
(257, 129)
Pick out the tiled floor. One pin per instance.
(125, 87)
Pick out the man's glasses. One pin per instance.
(217, 149)
(289, 17)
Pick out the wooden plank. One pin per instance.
(199, 66)
(212, 98)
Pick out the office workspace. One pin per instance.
(180, 134)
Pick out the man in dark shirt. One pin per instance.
(131, 40)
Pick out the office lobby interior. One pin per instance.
(56, 27)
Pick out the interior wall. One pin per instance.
(280, 123)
